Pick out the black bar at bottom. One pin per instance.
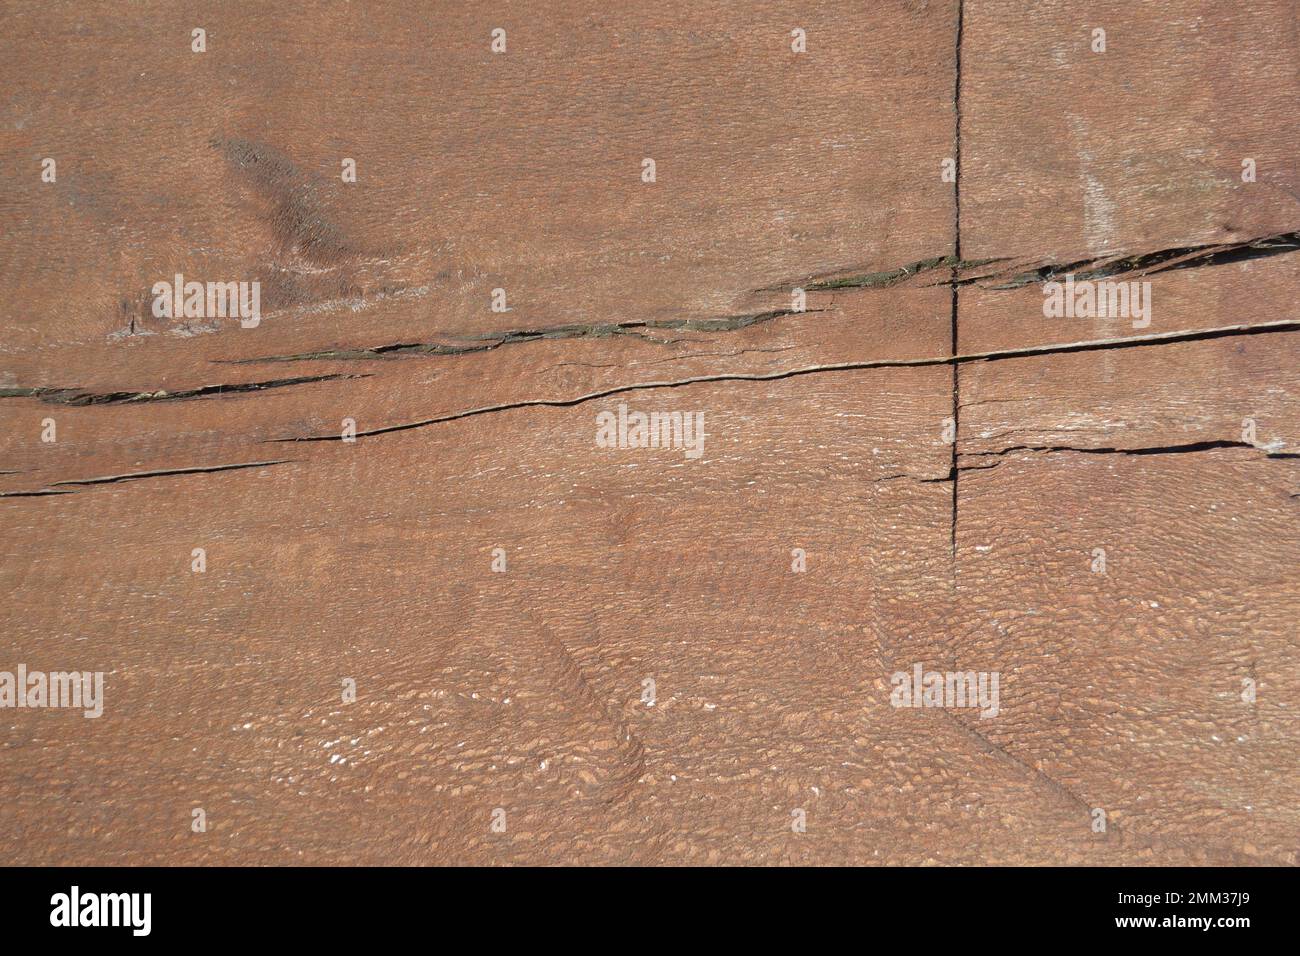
(640, 907)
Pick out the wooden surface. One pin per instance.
(522, 691)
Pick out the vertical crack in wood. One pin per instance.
(956, 242)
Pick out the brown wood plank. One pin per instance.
(945, 457)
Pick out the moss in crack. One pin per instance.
(78, 397)
(487, 341)
(876, 280)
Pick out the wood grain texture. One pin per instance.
(825, 431)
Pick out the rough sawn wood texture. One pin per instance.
(505, 717)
